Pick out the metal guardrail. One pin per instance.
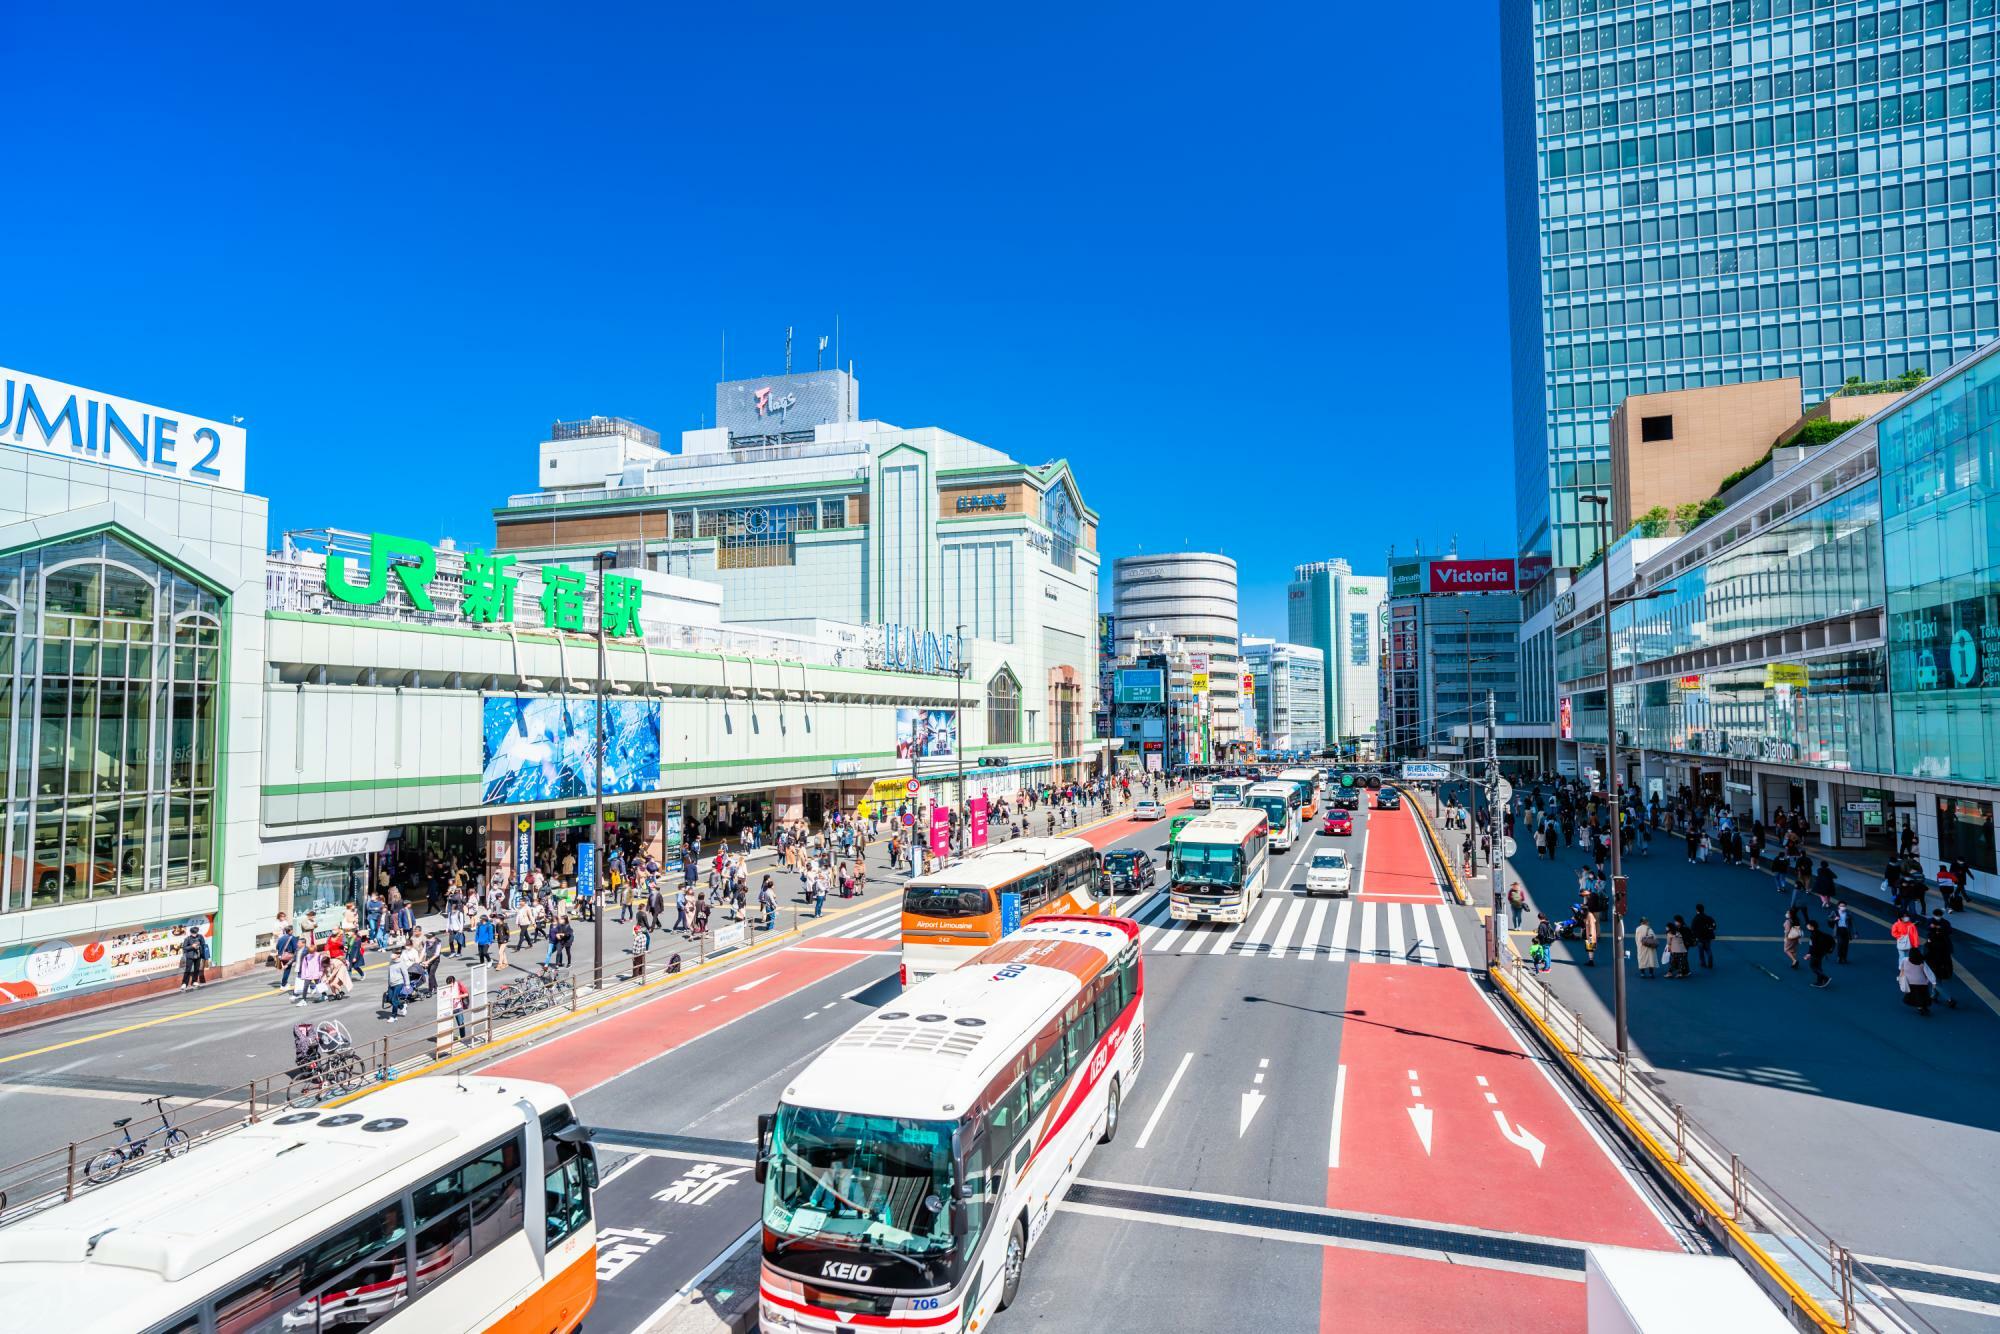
(1808, 1272)
(62, 1174)
(1438, 850)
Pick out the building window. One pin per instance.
(1059, 517)
(1652, 429)
(110, 679)
(1003, 709)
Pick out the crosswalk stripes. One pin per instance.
(1291, 927)
(1282, 926)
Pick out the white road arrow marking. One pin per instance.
(1251, 1102)
(1520, 1135)
(755, 982)
(1420, 1117)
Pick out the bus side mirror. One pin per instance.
(764, 1124)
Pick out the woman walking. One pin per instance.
(1917, 981)
(482, 936)
(1794, 934)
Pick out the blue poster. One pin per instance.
(539, 749)
(586, 870)
(1010, 914)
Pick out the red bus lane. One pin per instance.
(580, 1061)
(1446, 1118)
(1395, 866)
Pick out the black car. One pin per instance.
(1128, 871)
(1387, 799)
(1347, 799)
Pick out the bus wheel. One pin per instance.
(1016, 1261)
(1110, 1115)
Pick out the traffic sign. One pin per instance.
(1418, 771)
(913, 787)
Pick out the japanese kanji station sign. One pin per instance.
(489, 585)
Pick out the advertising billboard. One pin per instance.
(1406, 578)
(926, 734)
(47, 416)
(1141, 685)
(539, 749)
(1564, 726)
(89, 959)
(1472, 576)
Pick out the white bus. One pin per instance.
(1229, 792)
(957, 911)
(1279, 803)
(911, 1167)
(1305, 783)
(459, 1203)
(1218, 866)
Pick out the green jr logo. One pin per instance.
(415, 572)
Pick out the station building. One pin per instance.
(1829, 642)
(198, 731)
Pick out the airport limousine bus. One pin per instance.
(910, 1170)
(1279, 803)
(1228, 793)
(1306, 783)
(441, 1204)
(953, 913)
(1218, 866)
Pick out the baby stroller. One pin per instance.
(325, 1063)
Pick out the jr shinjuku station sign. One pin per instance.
(489, 585)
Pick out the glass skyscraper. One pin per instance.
(1701, 194)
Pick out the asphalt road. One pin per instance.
(1269, 1172)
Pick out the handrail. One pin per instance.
(1458, 889)
(1765, 1232)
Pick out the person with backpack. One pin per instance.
(285, 954)
(1545, 936)
(194, 960)
(482, 939)
(1702, 935)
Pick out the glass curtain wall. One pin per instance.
(1941, 540)
(110, 672)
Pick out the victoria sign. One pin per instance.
(1472, 576)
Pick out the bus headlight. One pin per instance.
(774, 1317)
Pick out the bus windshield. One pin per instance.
(1276, 809)
(883, 1181)
(946, 901)
(1206, 864)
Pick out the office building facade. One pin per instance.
(1289, 695)
(1829, 643)
(1339, 612)
(1190, 598)
(1705, 193)
(1451, 645)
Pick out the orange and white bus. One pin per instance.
(911, 1168)
(440, 1204)
(1306, 783)
(953, 913)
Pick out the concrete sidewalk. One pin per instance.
(1880, 1125)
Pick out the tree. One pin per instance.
(1655, 521)
(1687, 515)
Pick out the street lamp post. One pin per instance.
(1603, 506)
(603, 561)
(958, 735)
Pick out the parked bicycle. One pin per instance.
(538, 991)
(107, 1165)
(327, 1065)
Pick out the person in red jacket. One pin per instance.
(1904, 932)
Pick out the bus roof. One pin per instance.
(247, 1196)
(1226, 826)
(1272, 789)
(989, 870)
(930, 1053)
(1299, 775)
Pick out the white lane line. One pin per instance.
(1393, 913)
(1310, 945)
(1339, 1100)
(1197, 939)
(1284, 936)
(1423, 950)
(1365, 948)
(1161, 1106)
(688, 1287)
(1337, 947)
(1258, 930)
(1165, 940)
(1453, 942)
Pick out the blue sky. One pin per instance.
(1243, 266)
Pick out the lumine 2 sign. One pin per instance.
(489, 584)
(47, 416)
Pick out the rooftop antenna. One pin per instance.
(788, 349)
